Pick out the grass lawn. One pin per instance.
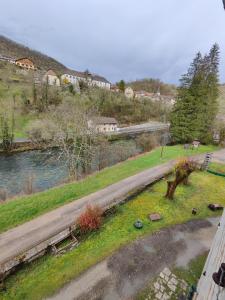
(45, 276)
(192, 273)
(25, 208)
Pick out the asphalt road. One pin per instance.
(28, 235)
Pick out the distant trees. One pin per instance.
(152, 85)
(121, 85)
(194, 113)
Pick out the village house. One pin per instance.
(114, 88)
(143, 94)
(100, 81)
(7, 59)
(74, 77)
(129, 93)
(51, 78)
(155, 97)
(103, 124)
(25, 63)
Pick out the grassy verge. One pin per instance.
(192, 273)
(47, 275)
(23, 209)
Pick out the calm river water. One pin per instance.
(46, 170)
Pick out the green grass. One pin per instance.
(25, 208)
(22, 122)
(47, 275)
(193, 271)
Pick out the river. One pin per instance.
(45, 170)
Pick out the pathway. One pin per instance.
(132, 267)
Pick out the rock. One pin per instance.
(162, 288)
(159, 296)
(166, 278)
(167, 272)
(165, 297)
(174, 281)
(155, 217)
(156, 285)
(172, 287)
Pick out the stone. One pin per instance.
(165, 297)
(155, 217)
(172, 287)
(162, 288)
(156, 285)
(184, 286)
(167, 272)
(159, 295)
(166, 278)
(162, 275)
(173, 281)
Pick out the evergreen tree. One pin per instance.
(121, 85)
(194, 113)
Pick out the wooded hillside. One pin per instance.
(16, 50)
(153, 86)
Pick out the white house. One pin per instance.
(103, 124)
(69, 77)
(51, 78)
(7, 59)
(75, 77)
(100, 81)
(129, 92)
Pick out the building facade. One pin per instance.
(129, 92)
(51, 78)
(73, 77)
(25, 63)
(103, 124)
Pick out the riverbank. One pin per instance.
(45, 276)
(25, 208)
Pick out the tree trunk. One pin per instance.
(185, 181)
(171, 188)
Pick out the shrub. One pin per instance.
(90, 219)
(147, 142)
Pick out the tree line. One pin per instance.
(194, 114)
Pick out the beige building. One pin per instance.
(103, 124)
(129, 92)
(25, 63)
(51, 78)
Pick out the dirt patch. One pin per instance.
(134, 265)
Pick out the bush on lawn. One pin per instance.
(90, 219)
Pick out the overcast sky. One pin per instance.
(119, 39)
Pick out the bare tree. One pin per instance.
(66, 127)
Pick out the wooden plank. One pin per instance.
(207, 289)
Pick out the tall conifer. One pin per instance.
(194, 113)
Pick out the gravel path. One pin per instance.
(130, 268)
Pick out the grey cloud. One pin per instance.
(119, 39)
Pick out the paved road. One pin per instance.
(26, 236)
(219, 156)
(16, 241)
